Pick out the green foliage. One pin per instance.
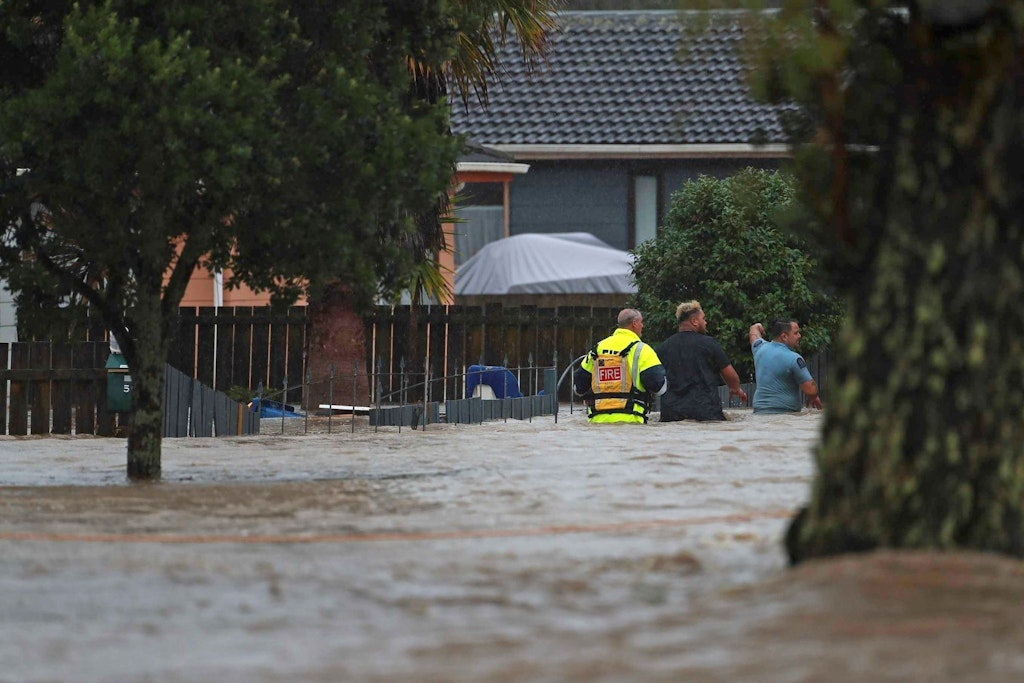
(241, 394)
(721, 244)
(275, 139)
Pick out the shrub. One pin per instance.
(722, 245)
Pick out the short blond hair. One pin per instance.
(686, 310)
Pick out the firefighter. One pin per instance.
(621, 375)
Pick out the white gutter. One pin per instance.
(491, 167)
(643, 151)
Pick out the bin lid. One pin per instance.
(116, 361)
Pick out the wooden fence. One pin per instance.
(229, 347)
(245, 346)
(194, 409)
(241, 346)
(54, 389)
(51, 388)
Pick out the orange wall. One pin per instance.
(200, 292)
(200, 289)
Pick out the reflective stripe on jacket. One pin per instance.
(627, 401)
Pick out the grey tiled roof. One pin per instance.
(621, 78)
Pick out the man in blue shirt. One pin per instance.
(783, 380)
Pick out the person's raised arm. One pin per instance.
(756, 332)
(732, 380)
(810, 389)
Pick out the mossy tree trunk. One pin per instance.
(152, 325)
(923, 441)
(146, 432)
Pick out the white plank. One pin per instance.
(344, 408)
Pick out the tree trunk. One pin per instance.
(923, 441)
(147, 357)
(338, 340)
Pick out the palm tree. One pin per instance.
(482, 28)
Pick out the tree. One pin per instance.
(276, 139)
(482, 28)
(720, 244)
(912, 123)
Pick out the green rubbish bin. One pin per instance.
(119, 384)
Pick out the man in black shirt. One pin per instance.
(693, 364)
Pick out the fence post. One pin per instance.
(426, 381)
(504, 383)
(529, 362)
(532, 369)
(377, 393)
(401, 389)
(355, 380)
(401, 381)
(330, 396)
(309, 383)
(554, 397)
(284, 401)
(572, 383)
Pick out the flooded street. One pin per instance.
(511, 551)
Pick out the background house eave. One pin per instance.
(615, 151)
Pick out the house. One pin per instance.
(618, 119)
(483, 179)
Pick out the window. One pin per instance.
(481, 215)
(645, 208)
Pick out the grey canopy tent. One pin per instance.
(552, 263)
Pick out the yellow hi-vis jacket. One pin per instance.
(618, 393)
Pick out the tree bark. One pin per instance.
(146, 353)
(338, 340)
(923, 440)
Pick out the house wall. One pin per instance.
(203, 288)
(8, 319)
(572, 197)
(681, 171)
(594, 195)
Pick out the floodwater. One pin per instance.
(518, 551)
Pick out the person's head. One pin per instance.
(691, 317)
(785, 331)
(631, 319)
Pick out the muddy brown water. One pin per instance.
(536, 551)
